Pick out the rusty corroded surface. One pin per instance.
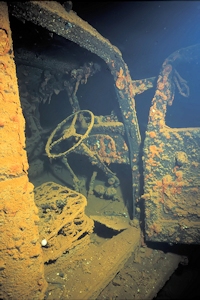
(21, 260)
(142, 85)
(88, 272)
(55, 18)
(171, 164)
(111, 149)
(63, 223)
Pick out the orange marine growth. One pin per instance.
(152, 134)
(120, 80)
(154, 150)
(155, 228)
(179, 175)
(160, 86)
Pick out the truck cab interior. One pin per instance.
(113, 159)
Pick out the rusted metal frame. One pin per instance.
(188, 54)
(165, 86)
(142, 85)
(52, 16)
(41, 62)
(154, 166)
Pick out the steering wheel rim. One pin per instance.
(51, 144)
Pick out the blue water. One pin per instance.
(147, 33)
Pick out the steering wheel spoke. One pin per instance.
(68, 133)
(55, 143)
(74, 120)
(77, 135)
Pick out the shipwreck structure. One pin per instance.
(41, 225)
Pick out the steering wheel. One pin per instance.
(69, 132)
